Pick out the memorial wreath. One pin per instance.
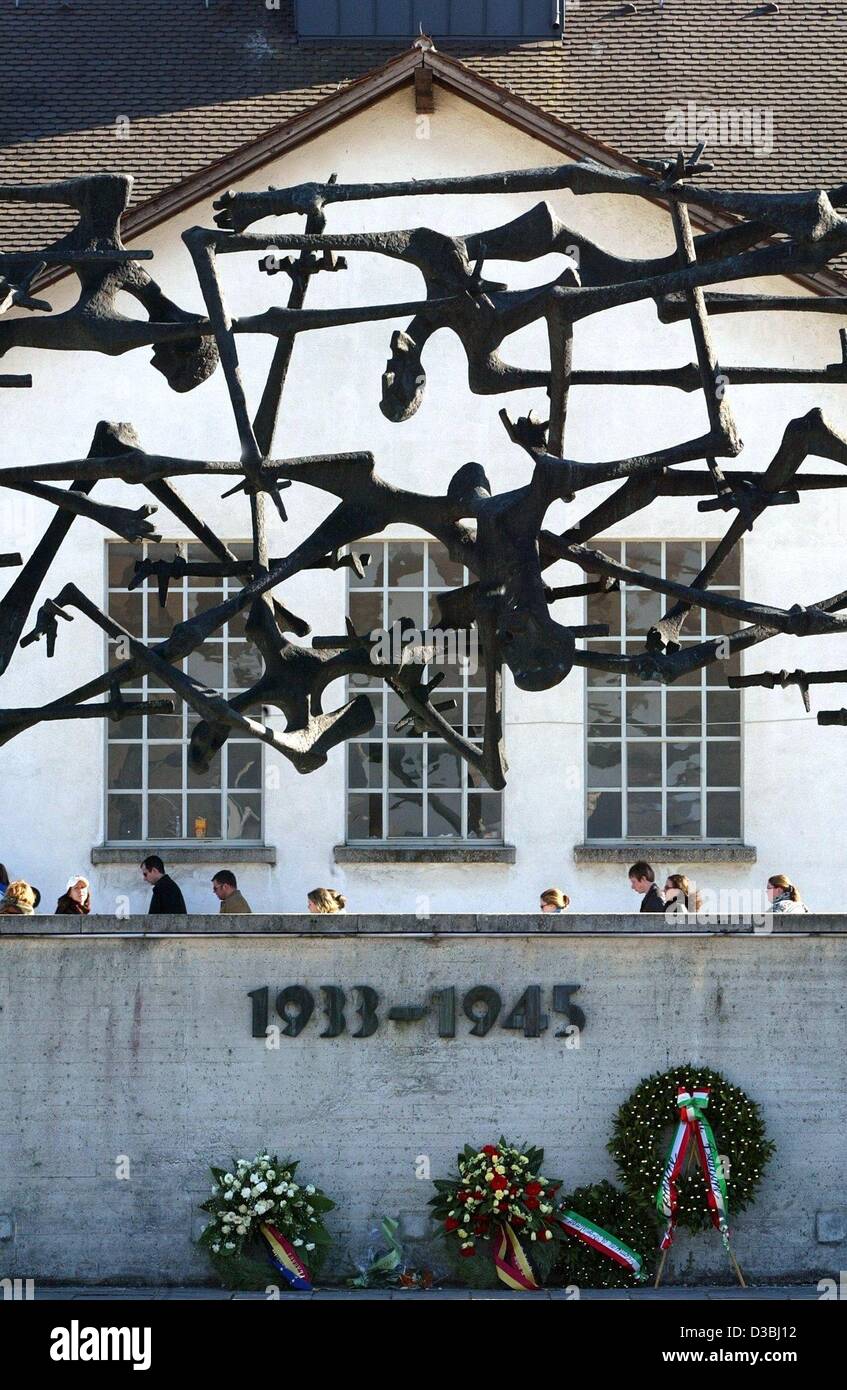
(260, 1202)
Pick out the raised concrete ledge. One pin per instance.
(216, 855)
(660, 852)
(424, 854)
(436, 925)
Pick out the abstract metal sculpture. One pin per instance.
(499, 537)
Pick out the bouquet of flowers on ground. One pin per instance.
(260, 1201)
(498, 1215)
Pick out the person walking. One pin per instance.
(225, 888)
(783, 895)
(326, 900)
(642, 880)
(681, 895)
(76, 899)
(166, 894)
(18, 900)
(554, 900)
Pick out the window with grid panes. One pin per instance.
(406, 786)
(152, 793)
(662, 762)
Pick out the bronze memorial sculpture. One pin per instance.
(499, 537)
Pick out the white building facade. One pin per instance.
(728, 789)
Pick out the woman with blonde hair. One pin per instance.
(326, 900)
(681, 894)
(783, 895)
(18, 900)
(554, 900)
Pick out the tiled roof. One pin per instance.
(162, 88)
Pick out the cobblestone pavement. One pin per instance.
(769, 1292)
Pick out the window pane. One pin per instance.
(243, 816)
(604, 713)
(444, 816)
(124, 818)
(364, 817)
(644, 713)
(443, 572)
(122, 560)
(683, 561)
(596, 676)
(244, 666)
(723, 815)
(683, 711)
(201, 600)
(164, 817)
(164, 725)
(131, 727)
(683, 764)
(405, 565)
(128, 610)
(365, 611)
(476, 716)
(605, 608)
(206, 665)
(209, 779)
(405, 815)
(723, 765)
(405, 765)
(125, 765)
(643, 611)
(645, 556)
(245, 765)
(404, 604)
(485, 816)
(729, 571)
(684, 813)
(723, 712)
(204, 817)
(164, 765)
(604, 765)
(644, 813)
(604, 815)
(364, 764)
(717, 673)
(160, 621)
(374, 569)
(644, 764)
(444, 766)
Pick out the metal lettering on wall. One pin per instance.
(481, 1005)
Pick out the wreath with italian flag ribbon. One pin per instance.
(502, 1219)
(589, 1264)
(691, 1146)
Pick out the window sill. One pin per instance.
(665, 852)
(215, 854)
(424, 854)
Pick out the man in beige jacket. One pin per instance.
(225, 888)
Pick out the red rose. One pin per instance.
(461, 1196)
(467, 1251)
(533, 1189)
(481, 1228)
(451, 1224)
(490, 1149)
(498, 1183)
(531, 1203)
(517, 1221)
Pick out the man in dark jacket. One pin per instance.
(643, 880)
(166, 894)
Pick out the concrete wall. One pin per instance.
(53, 776)
(142, 1047)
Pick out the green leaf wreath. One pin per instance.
(605, 1205)
(246, 1197)
(643, 1128)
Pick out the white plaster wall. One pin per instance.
(51, 778)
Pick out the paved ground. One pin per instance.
(770, 1292)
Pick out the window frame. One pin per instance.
(396, 842)
(185, 543)
(707, 544)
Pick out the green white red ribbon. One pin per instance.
(603, 1241)
(693, 1128)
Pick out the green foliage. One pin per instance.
(644, 1126)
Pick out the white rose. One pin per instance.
(278, 1190)
(254, 1177)
(216, 1248)
(533, 1236)
(270, 1175)
(310, 1245)
(310, 1190)
(245, 1192)
(229, 1196)
(228, 1179)
(230, 1245)
(242, 1207)
(298, 1241)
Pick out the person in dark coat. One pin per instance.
(643, 880)
(76, 899)
(166, 894)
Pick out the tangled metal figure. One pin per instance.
(499, 537)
